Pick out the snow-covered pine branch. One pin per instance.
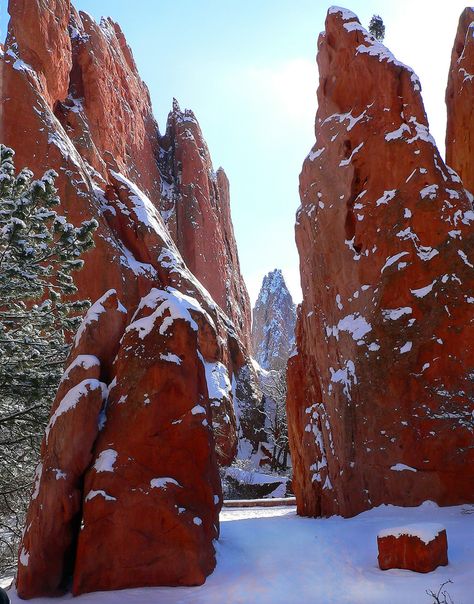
(39, 251)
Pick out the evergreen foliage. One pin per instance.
(377, 27)
(39, 250)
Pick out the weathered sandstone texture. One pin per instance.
(381, 395)
(158, 378)
(459, 102)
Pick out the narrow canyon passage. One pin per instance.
(174, 397)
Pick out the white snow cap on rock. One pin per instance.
(425, 531)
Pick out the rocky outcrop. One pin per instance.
(152, 497)
(46, 555)
(139, 403)
(72, 100)
(380, 400)
(86, 113)
(195, 205)
(273, 323)
(459, 102)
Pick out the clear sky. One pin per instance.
(247, 69)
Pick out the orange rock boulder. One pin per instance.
(152, 496)
(128, 493)
(380, 401)
(418, 547)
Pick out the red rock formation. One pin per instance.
(107, 114)
(41, 143)
(45, 44)
(134, 480)
(380, 400)
(152, 497)
(196, 207)
(103, 96)
(46, 553)
(421, 548)
(90, 119)
(459, 102)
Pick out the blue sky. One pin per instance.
(247, 69)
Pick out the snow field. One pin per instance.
(272, 556)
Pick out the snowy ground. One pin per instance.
(271, 556)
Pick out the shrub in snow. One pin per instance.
(442, 595)
(39, 250)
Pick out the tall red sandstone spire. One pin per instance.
(195, 204)
(176, 364)
(380, 400)
(459, 102)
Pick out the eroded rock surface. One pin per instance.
(47, 551)
(459, 102)
(380, 399)
(72, 100)
(195, 205)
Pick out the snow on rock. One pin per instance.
(24, 557)
(384, 282)
(93, 314)
(172, 302)
(401, 467)
(91, 494)
(217, 379)
(425, 531)
(417, 547)
(84, 361)
(105, 461)
(273, 324)
(163, 482)
(73, 397)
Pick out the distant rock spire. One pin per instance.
(273, 324)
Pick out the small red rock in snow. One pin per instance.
(418, 547)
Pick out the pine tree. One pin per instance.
(39, 250)
(377, 27)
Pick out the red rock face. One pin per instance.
(411, 551)
(459, 95)
(155, 477)
(72, 100)
(44, 41)
(128, 466)
(47, 551)
(196, 207)
(101, 126)
(380, 399)
(107, 113)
